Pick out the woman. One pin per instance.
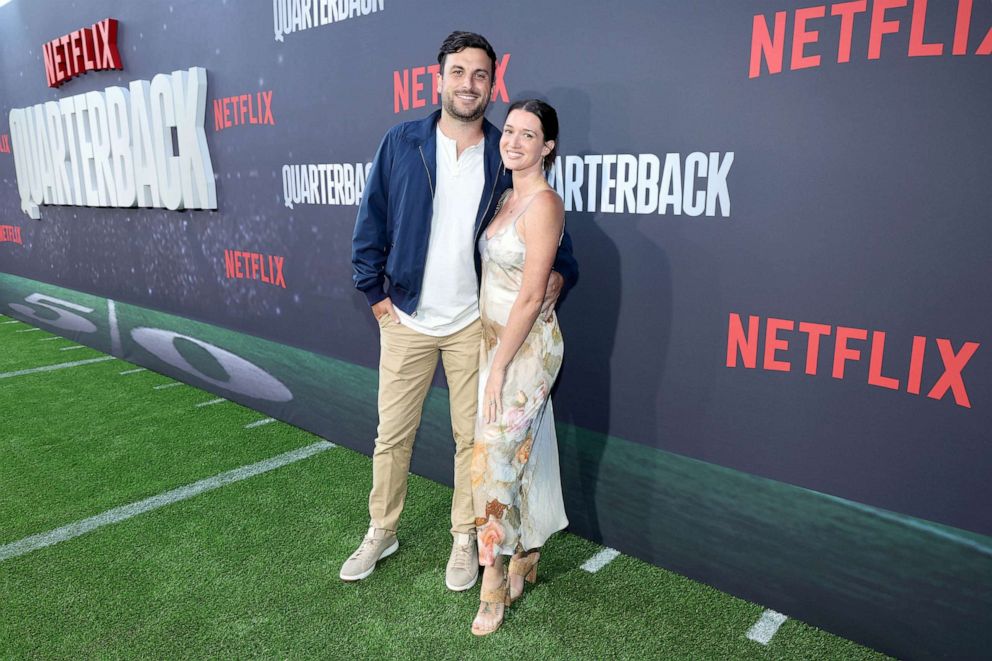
(515, 483)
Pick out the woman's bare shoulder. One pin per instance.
(547, 204)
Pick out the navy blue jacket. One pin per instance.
(393, 227)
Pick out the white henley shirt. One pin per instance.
(449, 297)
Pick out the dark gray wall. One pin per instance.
(858, 197)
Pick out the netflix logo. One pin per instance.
(10, 234)
(243, 109)
(416, 87)
(4, 143)
(88, 49)
(883, 18)
(244, 265)
(784, 340)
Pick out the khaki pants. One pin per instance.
(407, 361)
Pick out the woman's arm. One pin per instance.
(540, 227)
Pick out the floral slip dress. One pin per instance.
(516, 486)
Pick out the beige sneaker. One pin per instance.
(463, 565)
(378, 544)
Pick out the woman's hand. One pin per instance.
(492, 396)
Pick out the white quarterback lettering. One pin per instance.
(115, 148)
(289, 16)
(324, 183)
(693, 185)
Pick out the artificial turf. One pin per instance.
(250, 569)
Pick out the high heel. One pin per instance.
(493, 596)
(526, 567)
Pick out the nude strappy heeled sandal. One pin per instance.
(526, 567)
(500, 595)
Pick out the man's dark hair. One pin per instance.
(458, 41)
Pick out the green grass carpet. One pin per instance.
(249, 570)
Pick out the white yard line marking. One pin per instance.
(140, 369)
(167, 385)
(51, 368)
(600, 560)
(28, 330)
(259, 423)
(766, 627)
(39, 541)
(49, 339)
(77, 346)
(115, 332)
(4, 323)
(211, 402)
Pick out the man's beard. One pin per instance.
(449, 106)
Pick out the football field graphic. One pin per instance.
(852, 558)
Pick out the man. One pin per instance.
(433, 187)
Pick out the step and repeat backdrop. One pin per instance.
(781, 214)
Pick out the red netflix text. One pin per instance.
(243, 109)
(87, 49)
(411, 85)
(886, 17)
(254, 266)
(10, 234)
(5, 143)
(779, 334)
